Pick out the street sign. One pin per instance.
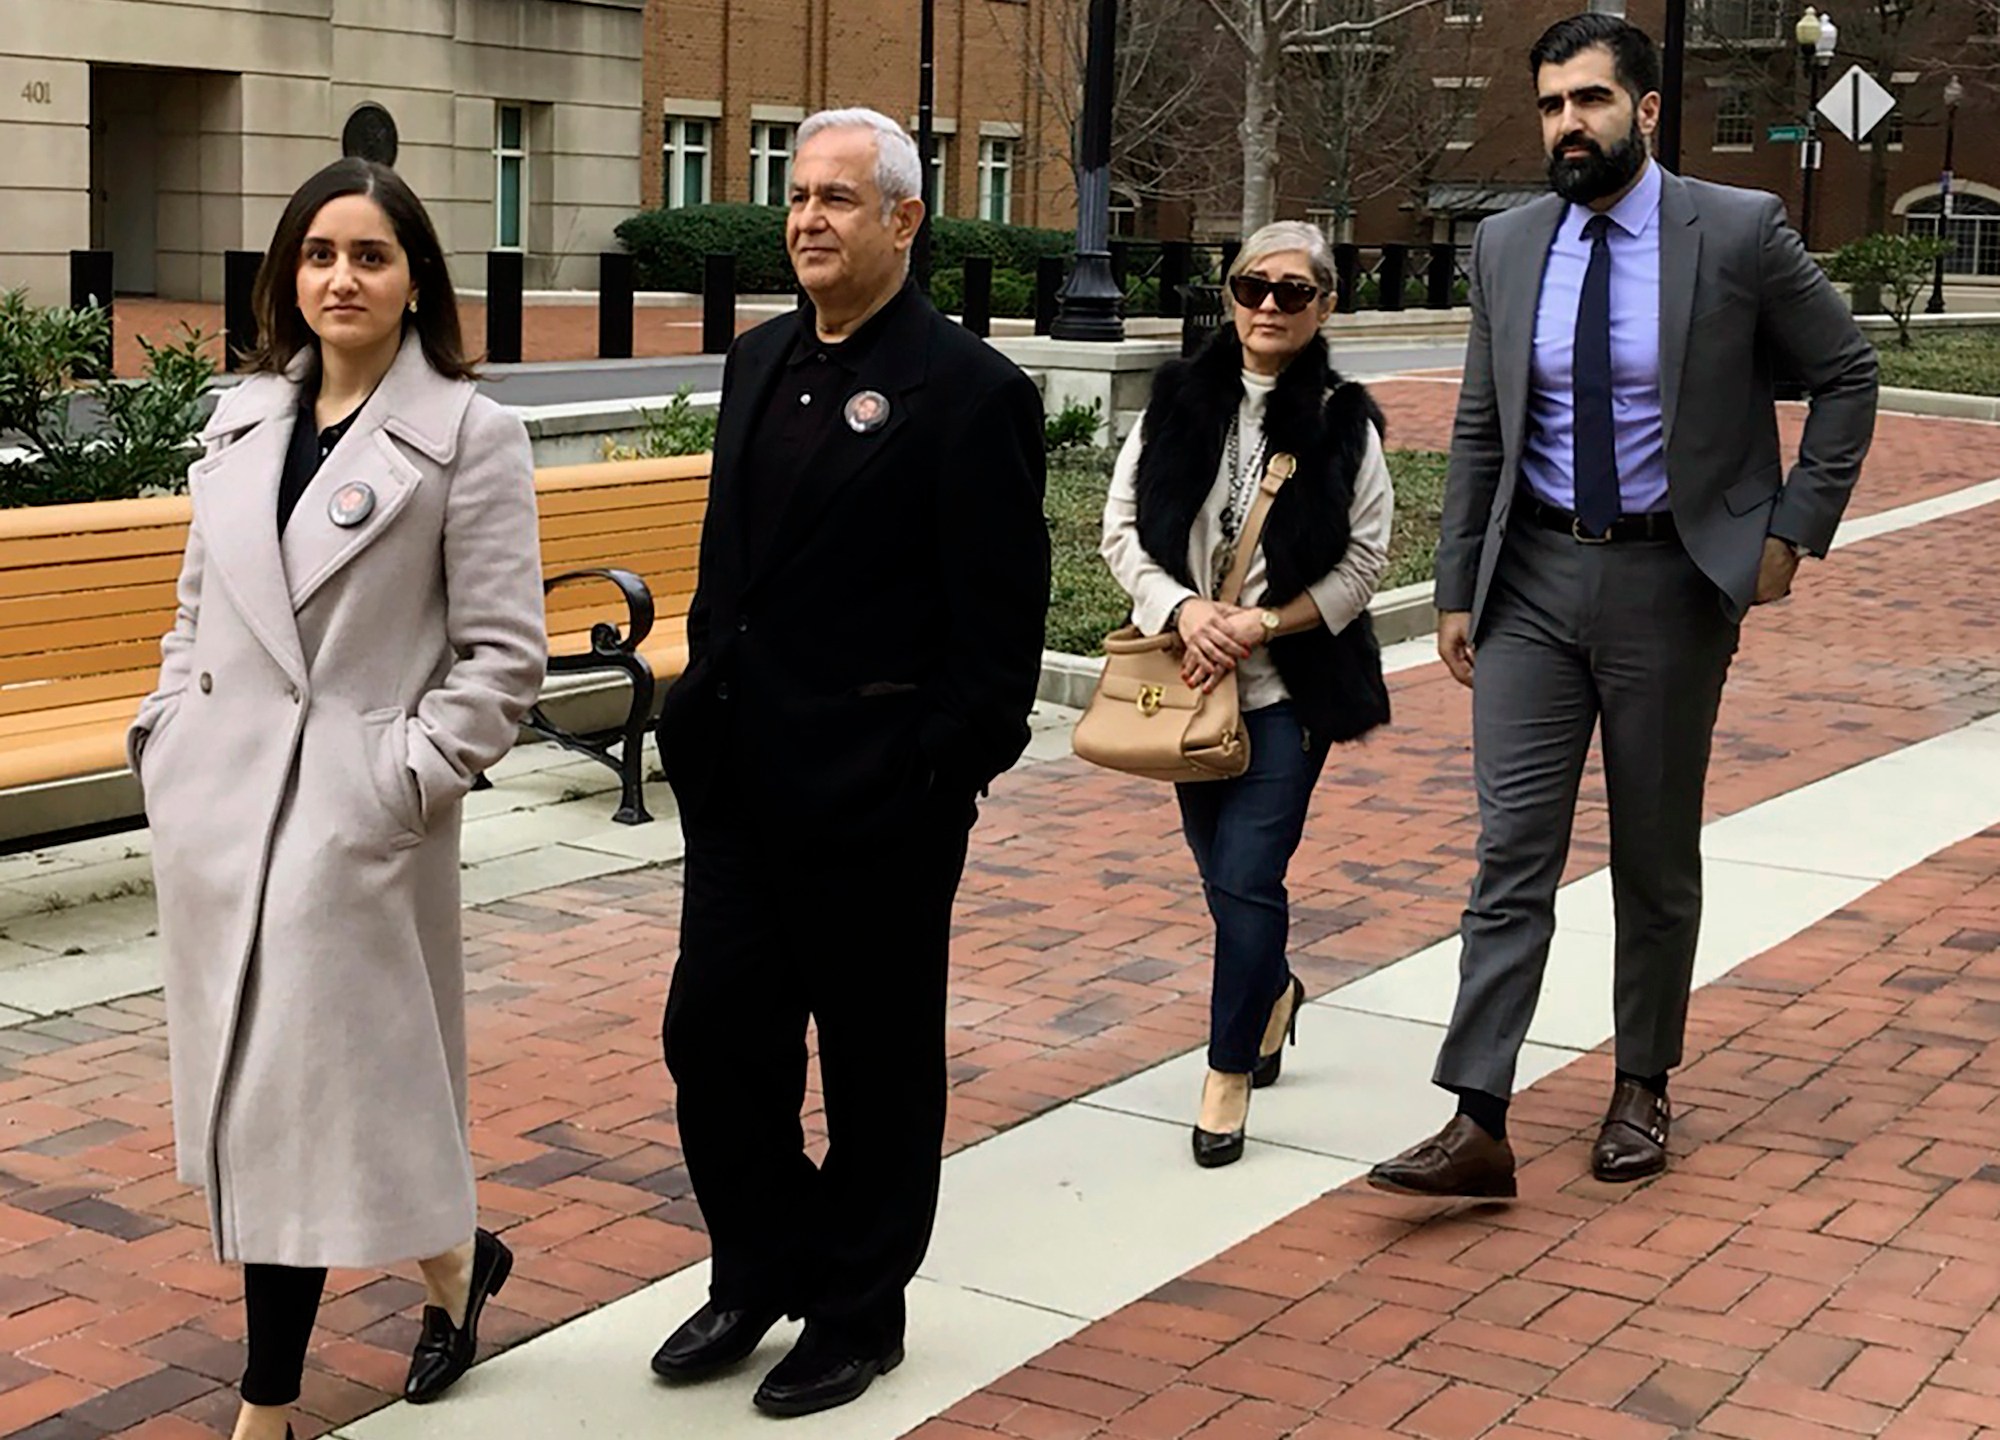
(1785, 134)
(1809, 154)
(1856, 104)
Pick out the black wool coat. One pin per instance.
(872, 652)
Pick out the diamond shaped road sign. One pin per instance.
(1856, 104)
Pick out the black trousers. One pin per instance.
(280, 1304)
(856, 938)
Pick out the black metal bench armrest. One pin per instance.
(621, 750)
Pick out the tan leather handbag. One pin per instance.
(1143, 719)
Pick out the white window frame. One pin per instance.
(678, 149)
(1740, 94)
(1468, 113)
(764, 135)
(503, 156)
(941, 173)
(998, 155)
(1464, 12)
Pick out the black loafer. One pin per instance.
(445, 1351)
(1633, 1142)
(712, 1340)
(819, 1375)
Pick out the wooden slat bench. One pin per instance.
(86, 591)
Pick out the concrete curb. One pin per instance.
(1940, 404)
(1406, 613)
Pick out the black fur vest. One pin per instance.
(1321, 420)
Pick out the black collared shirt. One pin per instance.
(804, 411)
(309, 448)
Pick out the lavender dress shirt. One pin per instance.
(1547, 460)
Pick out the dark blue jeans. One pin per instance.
(1243, 833)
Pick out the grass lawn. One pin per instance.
(1085, 602)
(1965, 362)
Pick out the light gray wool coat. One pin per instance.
(324, 703)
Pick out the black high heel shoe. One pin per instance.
(1269, 1067)
(444, 1350)
(1213, 1149)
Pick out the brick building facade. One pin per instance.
(728, 81)
(1744, 77)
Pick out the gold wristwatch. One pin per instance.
(1272, 620)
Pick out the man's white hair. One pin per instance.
(899, 171)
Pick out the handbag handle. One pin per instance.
(1277, 471)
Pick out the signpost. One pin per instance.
(1785, 134)
(1856, 104)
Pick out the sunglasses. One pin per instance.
(1251, 291)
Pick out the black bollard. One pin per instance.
(1176, 265)
(718, 304)
(978, 316)
(505, 271)
(614, 305)
(1347, 278)
(1048, 292)
(239, 315)
(1389, 279)
(1443, 277)
(90, 289)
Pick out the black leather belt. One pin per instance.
(1653, 525)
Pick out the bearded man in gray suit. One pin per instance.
(1616, 505)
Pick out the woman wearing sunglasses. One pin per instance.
(1308, 670)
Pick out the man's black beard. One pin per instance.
(1589, 178)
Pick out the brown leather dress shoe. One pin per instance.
(1461, 1161)
(1633, 1142)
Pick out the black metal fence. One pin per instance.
(1168, 280)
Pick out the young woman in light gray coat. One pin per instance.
(360, 631)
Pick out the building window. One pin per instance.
(940, 175)
(771, 163)
(1973, 230)
(1463, 12)
(1457, 99)
(1744, 20)
(1124, 214)
(1735, 120)
(510, 180)
(688, 144)
(996, 181)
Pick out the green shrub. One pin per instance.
(1899, 267)
(145, 438)
(671, 247)
(1012, 247)
(680, 429)
(1073, 427)
(1013, 293)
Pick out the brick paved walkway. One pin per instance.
(1823, 1261)
(1081, 957)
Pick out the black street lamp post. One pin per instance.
(1673, 85)
(926, 138)
(1817, 36)
(1092, 307)
(1954, 96)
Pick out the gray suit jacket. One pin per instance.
(1737, 293)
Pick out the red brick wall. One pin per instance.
(1509, 148)
(816, 53)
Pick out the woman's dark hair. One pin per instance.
(1632, 48)
(282, 331)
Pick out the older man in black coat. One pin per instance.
(864, 647)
